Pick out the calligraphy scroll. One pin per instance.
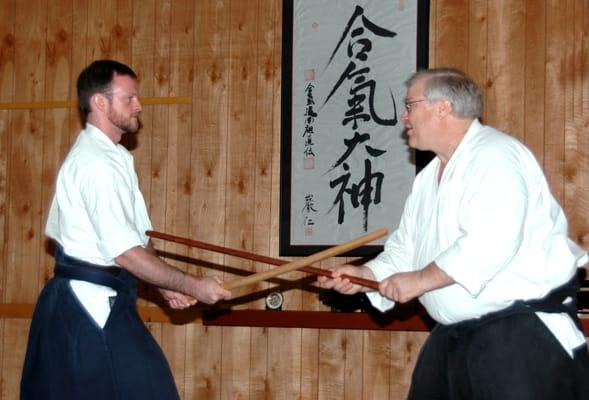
(346, 167)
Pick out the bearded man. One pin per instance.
(86, 339)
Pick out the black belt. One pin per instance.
(553, 302)
(72, 268)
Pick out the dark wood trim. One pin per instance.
(315, 320)
(147, 313)
(419, 322)
(16, 311)
(324, 320)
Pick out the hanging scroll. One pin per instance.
(346, 167)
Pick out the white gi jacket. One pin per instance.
(492, 225)
(98, 211)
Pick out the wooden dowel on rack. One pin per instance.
(255, 257)
(56, 104)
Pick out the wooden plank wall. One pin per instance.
(210, 168)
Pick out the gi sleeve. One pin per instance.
(396, 256)
(109, 202)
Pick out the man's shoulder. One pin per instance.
(88, 155)
(88, 161)
(487, 133)
(496, 143)
(494, 150)
(90, 146)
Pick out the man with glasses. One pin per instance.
(484, 246)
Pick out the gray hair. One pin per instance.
(452, 85)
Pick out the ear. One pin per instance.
(444, 108)
(98, 101)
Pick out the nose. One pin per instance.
(405, 116)
(137, 106)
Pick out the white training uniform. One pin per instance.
(98, 211)
(493, 226)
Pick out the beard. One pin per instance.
(126, 124)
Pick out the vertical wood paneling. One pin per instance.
(7, 66)
(141, 26)
(78, 60)
(478, 37)
(142, 54)
(259, 384)
(377, 364)
(505, 89)
(15, 332)
(158, 155)
(210, 112)
(262, 134)
(276, 124)
(354, 352)
(284, 363)
(433, 33)
(100, 26)
(179, 186)
(243, 65)
(332, 350)
(576, 185)
(405, 348)
(24, 209)
(143, 30)
(151, 58)
(236, 355)
(534, 80)
(173, 343)
(309, 371)
(210, 169)
(572, 101)
(450, 38)
(204, 359)
(7, 44)
(57, 122)
(242, 123)
(25, 161)
(208, 164)
(554, 99)
(580, 225)
(122, 30)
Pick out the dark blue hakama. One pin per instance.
(70, 357)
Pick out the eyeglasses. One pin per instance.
(409, 104)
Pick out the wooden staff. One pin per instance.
(256, 257)
(293, 265)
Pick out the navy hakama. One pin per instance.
(70, 357)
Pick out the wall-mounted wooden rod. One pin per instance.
(55, 104)
(255, 257)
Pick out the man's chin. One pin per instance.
(132, 128)
(414, 144)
